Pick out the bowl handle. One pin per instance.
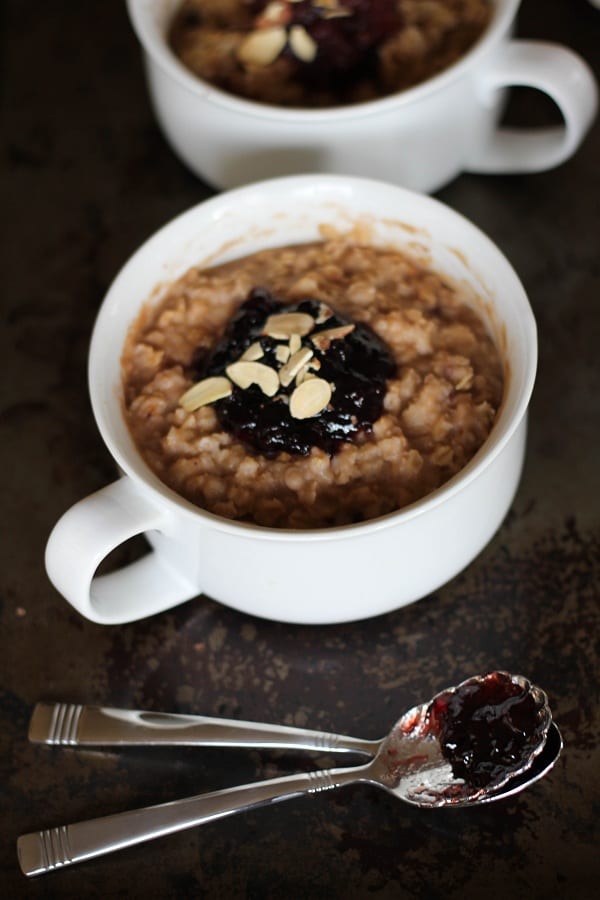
(87, 533)
(568, 81)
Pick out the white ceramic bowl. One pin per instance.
(321, 576)
(420, 138)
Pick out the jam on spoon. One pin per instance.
(470, 740)
(487, 726)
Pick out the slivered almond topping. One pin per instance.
(303, 374)
(275, 13)
(253, 352)
(209, 390)
(322, 339)
(283, 325)
(282, 353)
(310, 398)
(315, 364)
(288, 372)
(339, 13)
(244, 373)
(295, 343)
(325, 312)
(301, 44)
(262, 46)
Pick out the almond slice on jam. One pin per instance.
(322, 339)
(303, 375)
(288, 372)
(282, 326)
(310, 398)
(277, 12)
(263, 46)
(253, 352)
(209, 390)
(325, 312)
(244, 373)
(302, 45)
(282, 353)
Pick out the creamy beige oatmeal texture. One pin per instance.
(209, 37)
(438, 409)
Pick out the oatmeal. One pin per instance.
(315, 53)
(213, 372)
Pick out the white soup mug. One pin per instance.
(420, 138)
(313, 576)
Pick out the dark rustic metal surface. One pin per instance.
(87, 176)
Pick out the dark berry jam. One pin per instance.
(488, 727)
(356, 366)
(346, 42)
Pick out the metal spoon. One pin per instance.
(76, 725)
(409, 764)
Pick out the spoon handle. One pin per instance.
(72, 725)
(44, 851)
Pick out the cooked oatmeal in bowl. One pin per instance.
(315, 391)
(318, 53)
(406, 380)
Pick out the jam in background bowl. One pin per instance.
(312, 576)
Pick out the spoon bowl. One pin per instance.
(466, 744)
(541, 765)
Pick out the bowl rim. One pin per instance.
(132, 462)
(158, 50)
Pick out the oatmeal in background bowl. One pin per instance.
(311, 386)
(318, 53)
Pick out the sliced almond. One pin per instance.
(288, 372)
(302, 45)
(325, 312)
(209, 390)
(283, 325)
(315, 364)
(262, 46)
(303, 374)
(282, 353)
(310, 398)
(253, 352)
(244, 373)
(295, 343)
(322, 339)
(275, 13)
(339, 12)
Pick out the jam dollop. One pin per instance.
(356, 365)
(346, 35)
(488, 727)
